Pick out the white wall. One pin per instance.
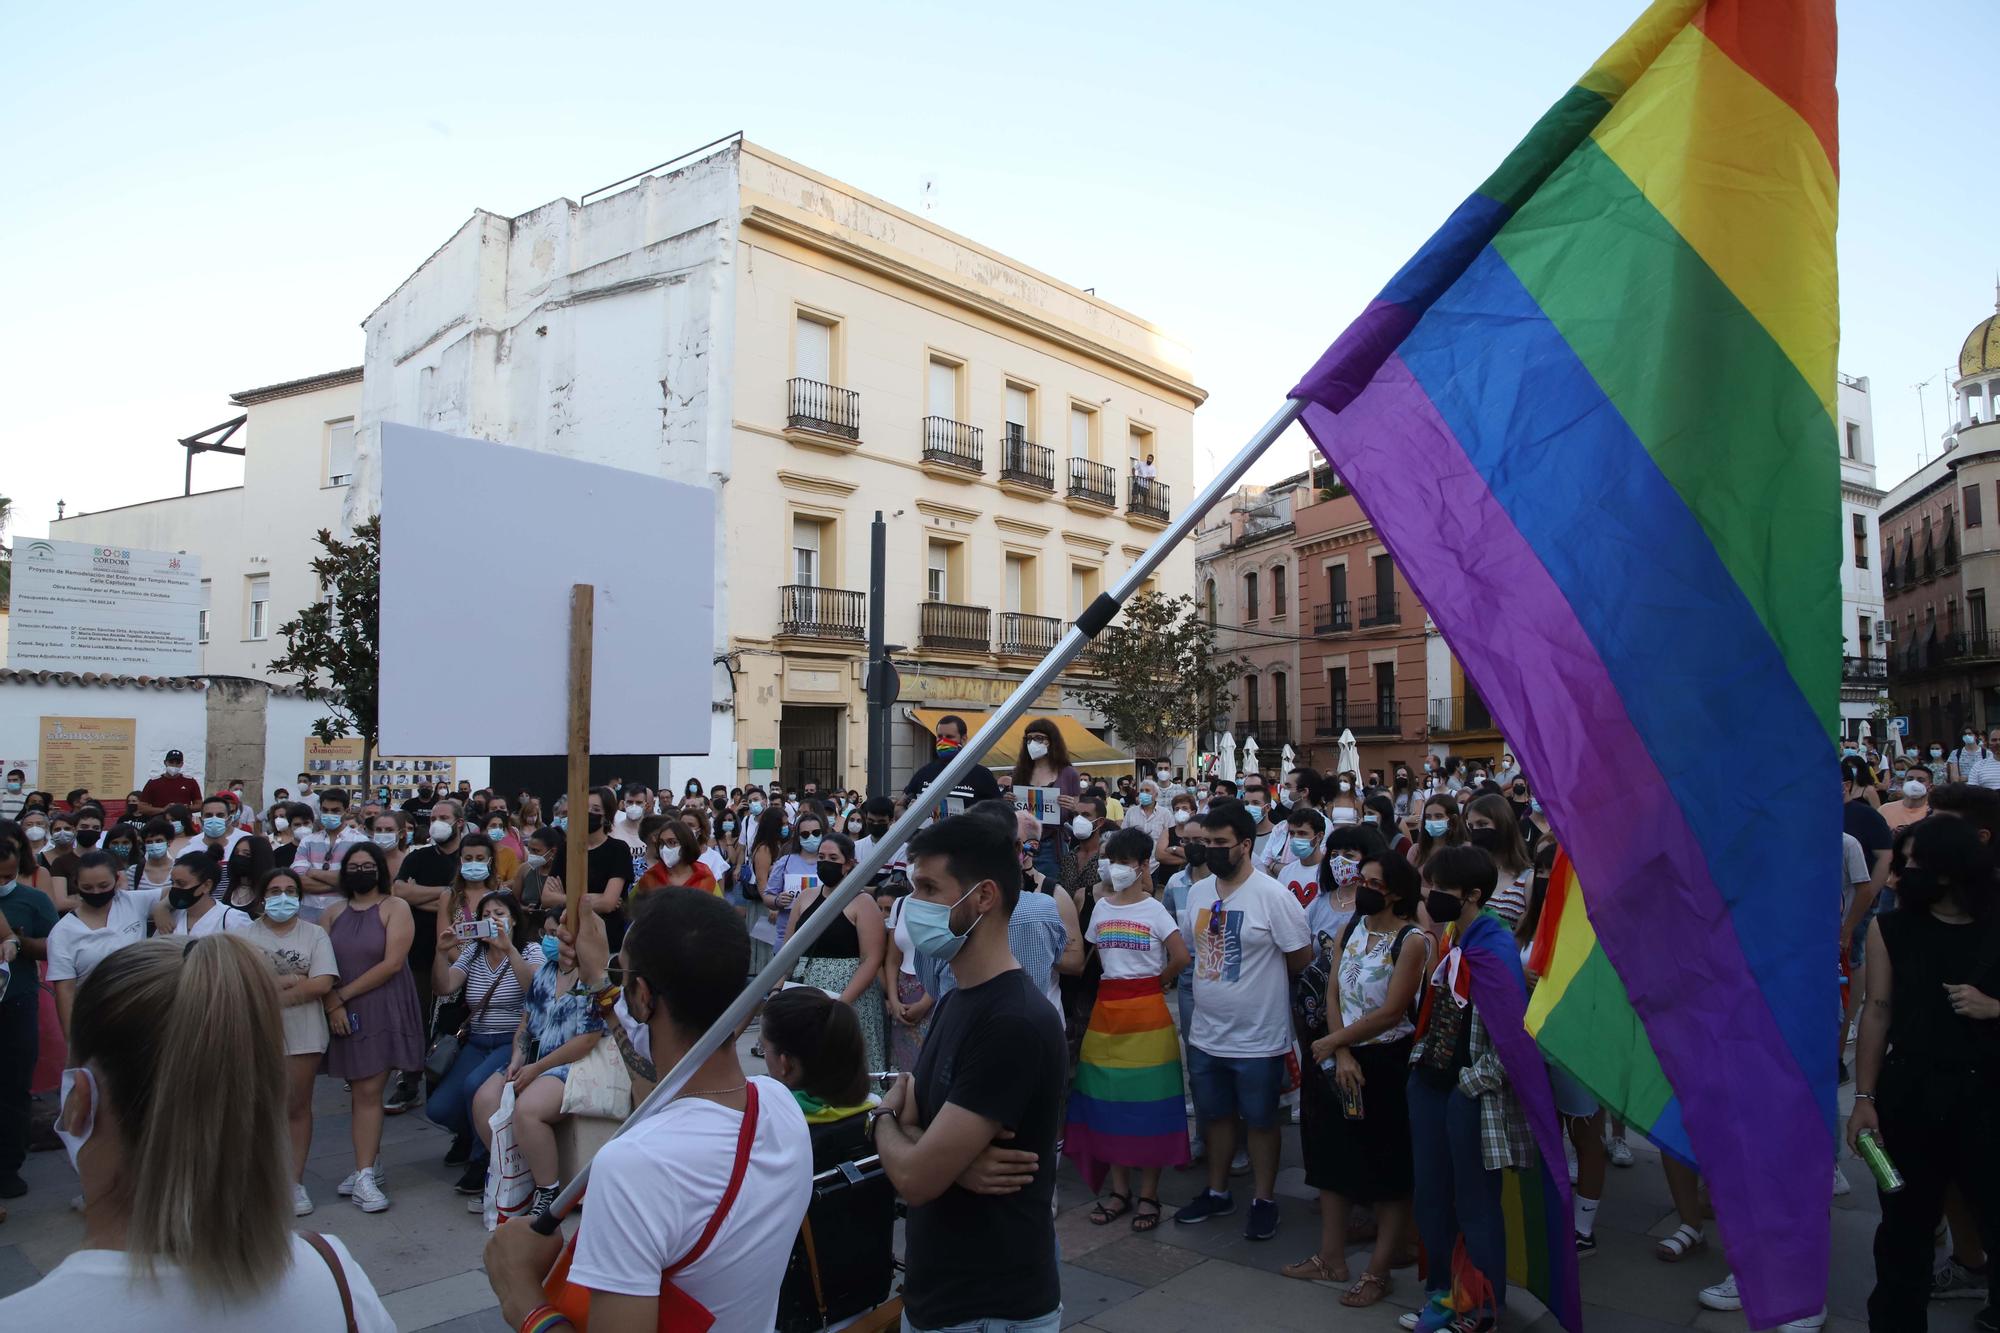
(168, 719)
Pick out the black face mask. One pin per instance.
(1443, 907)
(596, 822)
(1485, 839)
(1196, 853)
(182, 899)
(1368, 901)
(97, 900)
(239, 872)
(87, 837)
(358, 879)
(877, 827)
(831, 873)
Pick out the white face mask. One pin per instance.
(386, 841)
(1914, 790)
(441, 830)
(1346, 787)
(1183, 816)
(280, 825)
(670, 855)
(635, 812)
(1165, 774)
(1038, 749)
(1080, 826)
(1119, 877)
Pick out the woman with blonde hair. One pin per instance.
(174, 1117)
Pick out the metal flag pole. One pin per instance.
(1093, 620)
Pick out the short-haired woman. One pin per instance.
(677, 860)
(174, 1117)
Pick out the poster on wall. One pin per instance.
(339, 764)
(92, 752)
(77, 606)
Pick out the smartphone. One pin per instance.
(483, 929)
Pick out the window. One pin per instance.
(815, 349)
(1083, 586)
(1277, 590)
(1861, 535)
(1950, 616)
(1975, 613)
(1854, 439)
(1211, 601)
(1385, 585)
(1138, 443)
(258, 622)
(1082, 432)
(1336, 579)
(944, 577)
(1866, 628)
(1336, 696)
(1281, 701)
(1385, 695)
(1020, 412)
(1250, 595)
(201, 631)
(1020, 592)
(944, 389)
(339, 452)
(806, 543)
(1252, 706)
(1972, 512)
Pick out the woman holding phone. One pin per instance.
(486, 966)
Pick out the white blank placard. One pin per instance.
(481, 543)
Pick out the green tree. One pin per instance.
(1160, 673)
(332, 646)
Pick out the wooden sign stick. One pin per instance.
(582, 621)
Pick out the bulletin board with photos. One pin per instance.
(339, 764)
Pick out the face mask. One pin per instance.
(1485, 839)
(670, 855)
(809, 842)
(36, 833)
(1914, 789)
(281, 907)
(1443, 907)
(358, 879)
(1256, 812)
(441, 830)
(332, 820)
(1936, 752)
(729, 826)
(178, 830)
(182, 899)
(497, 834)
(213, 826)
(1368, 901)
(930, 928)
(756, 809)
(535, 860)
(853, 828)
(1080, 826)
(562, 822)
(1119, 877)
(73, 1140)
(635, 812)
(596, 822)
(280, 825)
(1038, 749)
(945, 747)
(1183, 816)
(172, 770)
(551, 949)
(1371, 819)
(386, 841)
(1850, 753)
(1343, 870)
(65, 837)
(877, 827)
(121, 850)
(1437, 828)
(1346, 786)
(156, 851)
(784, 830)
(831, 873)
(1196, 854)
(472, 872)
(1967, 739)
(15, 786)
(97, 900)
(1302, 847)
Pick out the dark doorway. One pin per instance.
(546, 776)
(809, 746)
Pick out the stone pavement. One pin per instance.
(423, 1253)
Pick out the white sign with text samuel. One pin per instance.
(78, 606)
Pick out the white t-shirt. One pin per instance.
(1131, 939)
(99, 1289)
(898, 861)
(654, 1188)
(74, 948)
(1274, 849)
(1301, 879)
(221, 916)
(717, 866)
(904, 949)
(1242, 992)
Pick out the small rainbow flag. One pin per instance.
(1594, 421)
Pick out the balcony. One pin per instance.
(1270, 736)
(953, 446)
(1092, 656)
(1983, 647)
(1378, 610)
(949, 627)
(1026, 464)
(1450, 716)
(1332, 618)
(1329, 720)
(1093, 483)
(1384, 723)
(1149, 501)
(1864, 670)
(1023, 635)
(823, 409)
(807, 612)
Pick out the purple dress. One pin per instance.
(392, 1030)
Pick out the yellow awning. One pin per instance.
(1085, 750)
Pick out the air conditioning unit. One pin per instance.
(1885, 631)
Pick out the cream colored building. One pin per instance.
(814, 355)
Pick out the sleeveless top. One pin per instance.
(1926, 955)
(840, 939)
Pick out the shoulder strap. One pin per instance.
(499, 975)
(1347, 932)
(745, 1138)
(1396, 949)
(325, 1251)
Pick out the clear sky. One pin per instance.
(204, 198)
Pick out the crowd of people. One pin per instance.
(1148, 976)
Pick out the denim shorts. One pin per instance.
(1048, 1323)
(1225, 1086)
(1572, 1098)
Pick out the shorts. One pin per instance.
(1573, 1100)
(1226, 1086)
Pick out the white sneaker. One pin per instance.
(346, 1187)
(368, 1195)
(1840, 1185)
(476, 1204)
(1722, 1296)
(1408, 1321)
(1240, 1164)
(1621, 1155)
(1811, 1321)
(301, 1201)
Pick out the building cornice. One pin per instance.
(1020, 527)
(939, 509)
(333, 379)
(800, 481)
(1088, 542)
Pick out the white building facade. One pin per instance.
(1865, 630)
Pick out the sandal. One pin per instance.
(1684, 1241)
(1371, 1288)
(1104, 1214)
(1312, 1268)
(1143, 1221)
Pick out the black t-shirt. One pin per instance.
(433, 868)
(609, 860)
(996, 1050)
(1925, 956)
(979, 785)
(1865, 822)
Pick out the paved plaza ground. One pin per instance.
(423, 1253)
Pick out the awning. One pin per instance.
(1085, 750)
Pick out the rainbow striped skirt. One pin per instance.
(1125, 1107)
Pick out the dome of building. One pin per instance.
(1981, 352)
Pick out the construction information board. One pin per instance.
(110, 609)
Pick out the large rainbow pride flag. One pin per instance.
(1593, 419)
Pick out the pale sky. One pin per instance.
(205, 198)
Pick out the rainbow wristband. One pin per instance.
(544, 1319)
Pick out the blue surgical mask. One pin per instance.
(1256, 811)
(473, 871)
(1145, 800)
(1437, 828)
(156, 851)
(281, 906)
(809, 842)
(729, 826)
(756, 808)
(331, 820)
(213, 826)
(551, 948)
(1302, 847)
(178, 830)
(1534, 805)
(930, 928)
(562, 822)
(784, 830)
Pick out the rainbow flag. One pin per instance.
(1593, 419)
(1125, 1105)
(1581, 1017)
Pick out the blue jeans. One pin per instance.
(450, 1103)
(1455, 1193)
(1227, 1086)
(1048, 1323)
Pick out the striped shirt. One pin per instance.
(503, 1012)
(1985, 772)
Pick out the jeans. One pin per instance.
(1455, 1194)
(1936, 1132)
(1048, 1323)
(450, 1103)
(20, 1044)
